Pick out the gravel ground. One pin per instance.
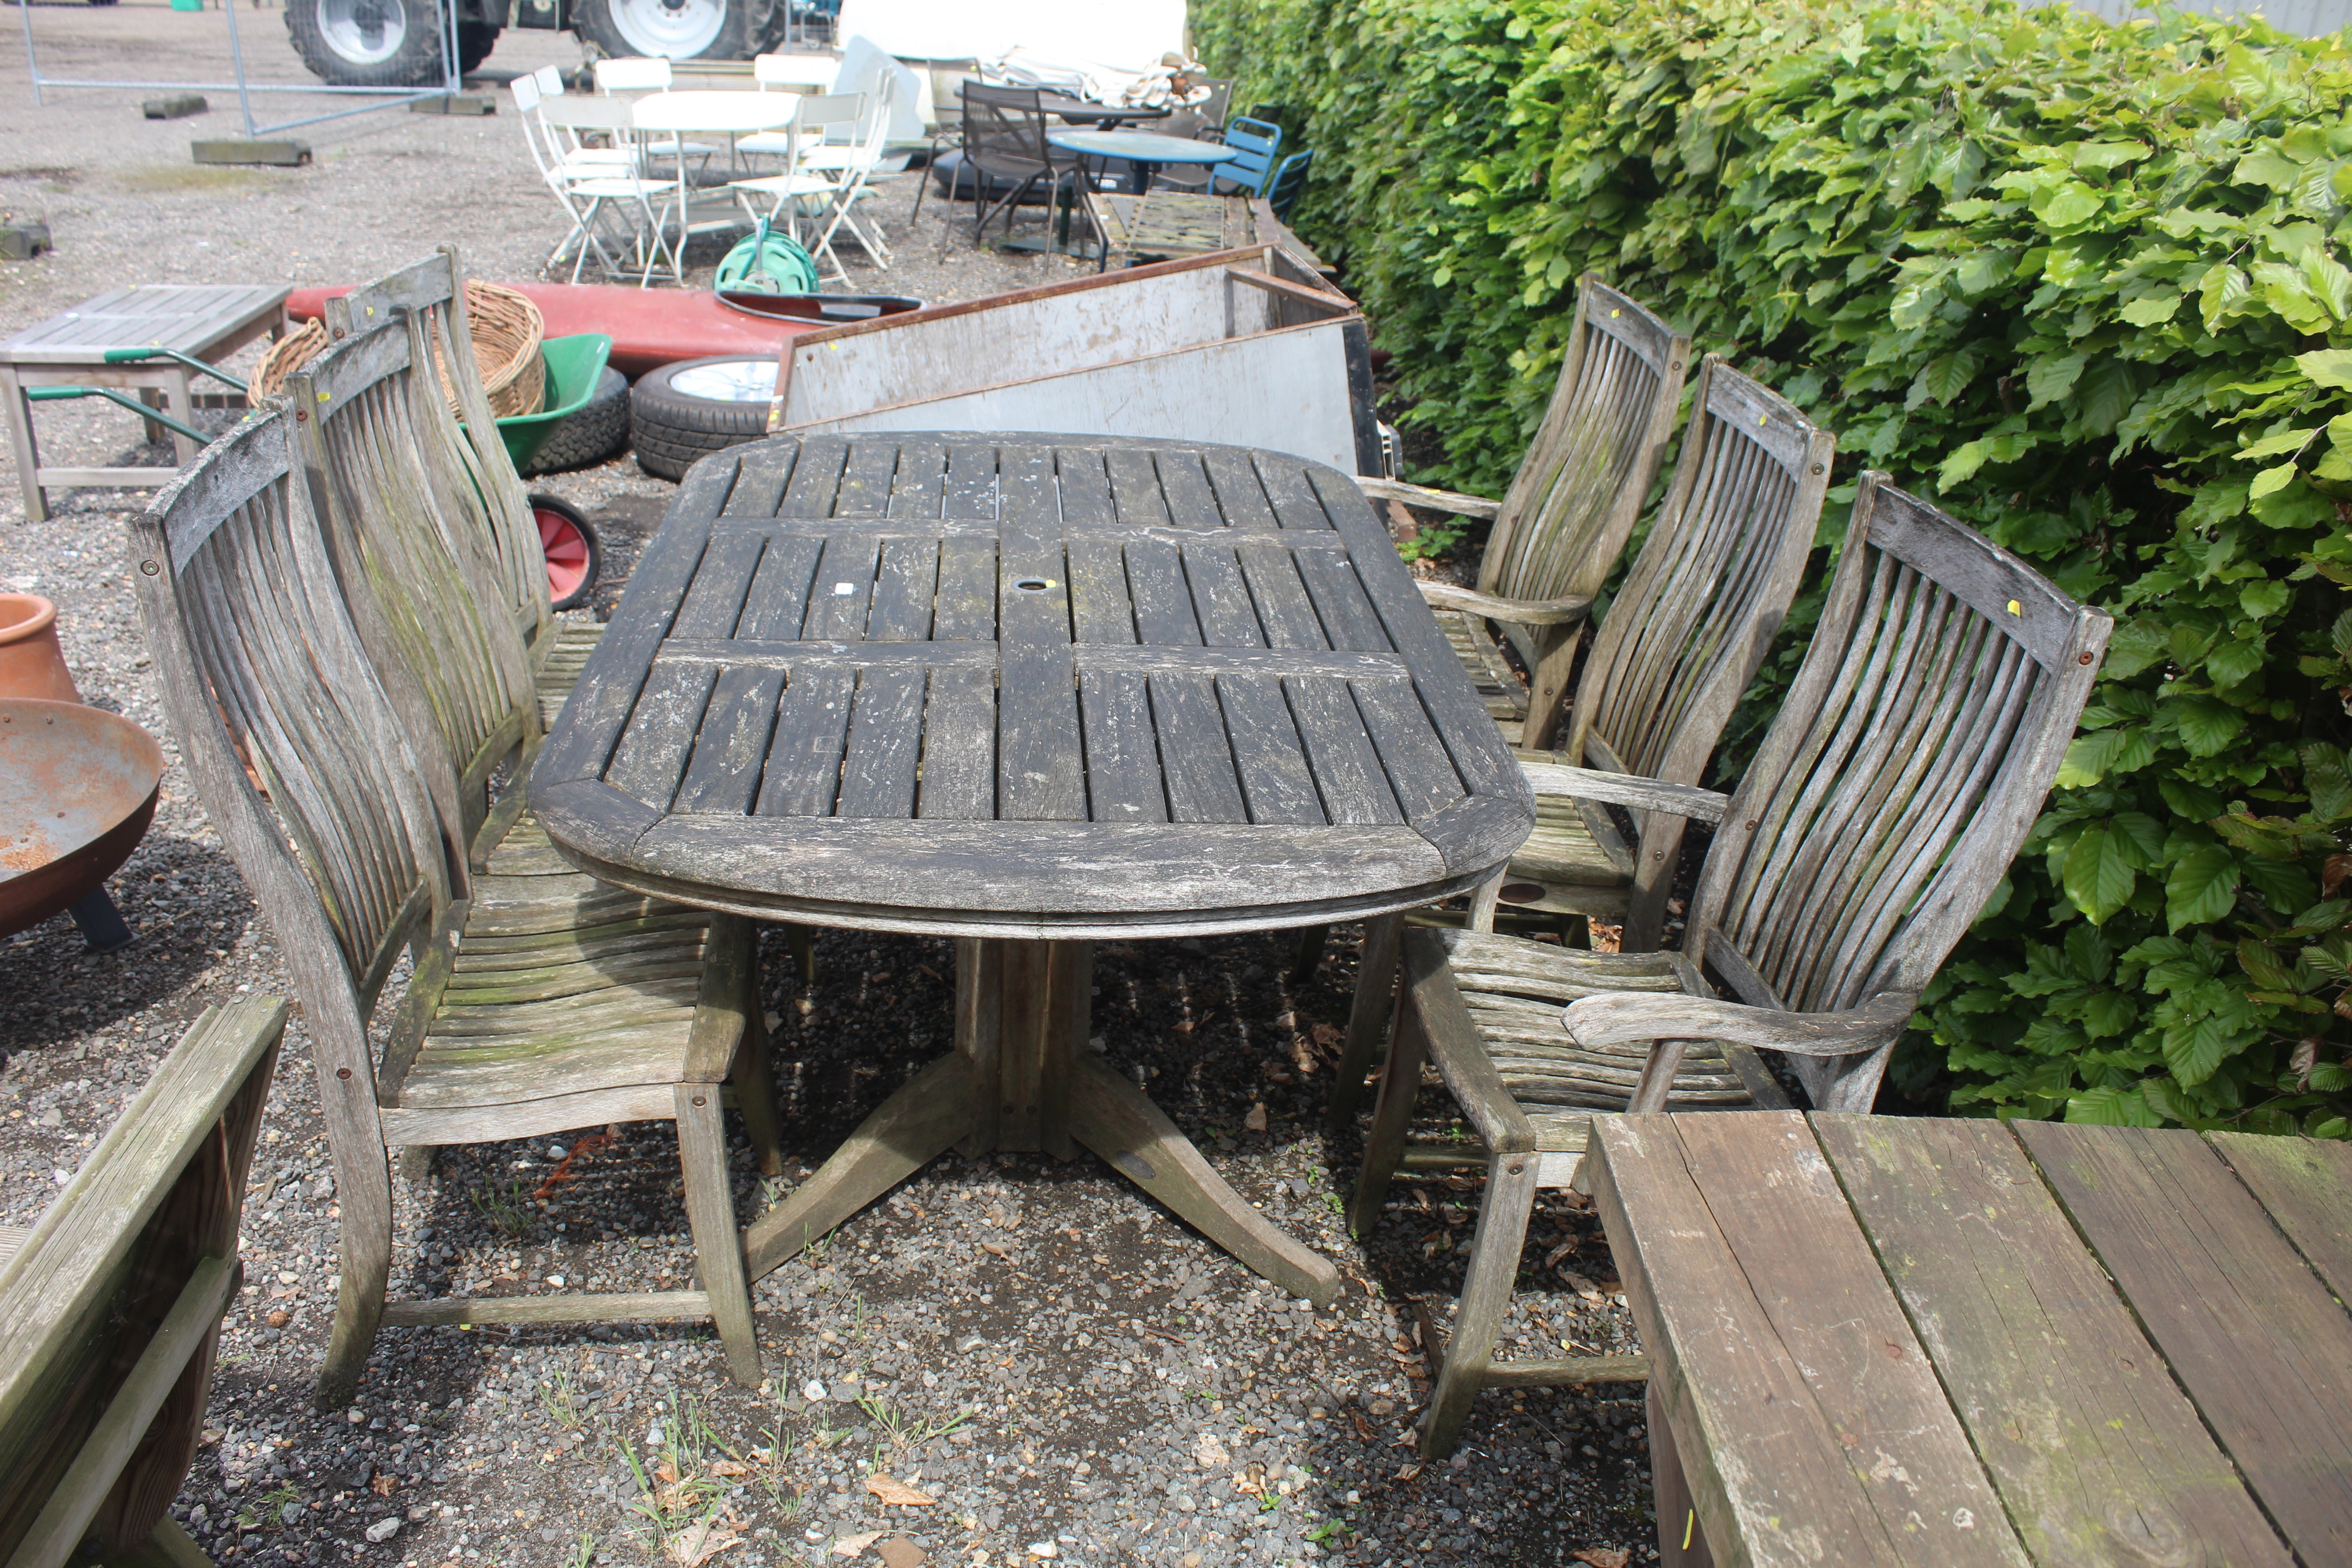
(1060, 1368)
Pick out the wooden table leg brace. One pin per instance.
(1022, 1078)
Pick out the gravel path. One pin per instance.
(1061, 1369)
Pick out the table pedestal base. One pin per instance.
(1022, 1078)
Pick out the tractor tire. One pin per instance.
(475, 42)
(367, 43)
(680, 30)
(723, 404)
(587, 437)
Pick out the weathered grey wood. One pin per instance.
(2307, 1187)
(2256, 1340)
(2097, 1453)
(1905, 763)
(1681, 1543)
(110, 1304)
(259, 646)
(1771, 1331)
(1069, 690)
(649, 1305)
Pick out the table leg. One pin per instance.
(1022, 1078)
(1680, 1543)
(180, 401)
(20, 442)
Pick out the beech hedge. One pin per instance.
(2081, 284)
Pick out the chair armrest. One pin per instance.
(1460, 1052)
(1520, 612)
(1420, 495)
(1617, 1020)
(1628, 790)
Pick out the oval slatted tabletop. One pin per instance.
(1028, 690)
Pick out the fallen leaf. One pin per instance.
(1551, 1258)
(664, 1474)
(851, 1545)
(897, 1552)
(1603, 1556)
(699, 1544)
(1581, 1285)
(1327, 1036)
(1255, 1120)
(897, 1491)
(384, 1485)
(729, 1468)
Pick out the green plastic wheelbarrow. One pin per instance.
(574, 364)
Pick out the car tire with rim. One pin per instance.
(367, 43)
(590, 434)
(681, 413)
(679, 29)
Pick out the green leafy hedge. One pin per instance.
(2080, 283)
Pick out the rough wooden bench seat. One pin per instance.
(110, 1307)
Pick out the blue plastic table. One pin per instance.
(1147, 151)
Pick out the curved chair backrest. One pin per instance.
(1686, 632)
(796, 71)
(1004, 129)
(1289, 179)
(831, 118)
(1256, 142)
(402, 525)
(649, 73)
(1579, 490)
(550, 80)
(1900, 775)
(429, 290)
(260, 663)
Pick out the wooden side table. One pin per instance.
(205, 322)
(1890, 1339)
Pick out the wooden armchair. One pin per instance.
(1570, 509)
(1684, 636)
(111, 1308)
(494, 499)
(1893, 789)
(537, 1004)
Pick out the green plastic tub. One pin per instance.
(574, 364)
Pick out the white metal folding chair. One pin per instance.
(565, 143)
(825, 120)
(593, 195)
(632, 77)
(851, 167)
(812, 75)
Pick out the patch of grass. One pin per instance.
(508, 1210)
(583, 1552)
(560, 1403)
(267, 1510)
(905, 1431)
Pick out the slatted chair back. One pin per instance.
(402, 528)
(259, 661)
(1579, 490)
(1698, 609)
(1255, 143)
(1289, 179)
(431, 290)
(1899, 778)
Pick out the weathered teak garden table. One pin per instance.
(1884, 1339)
(1028, 691)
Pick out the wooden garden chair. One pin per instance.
(500, 508)
(537, 1004)
(110, 1307)
(1684, 637)
(1892, 792)
(1564, 520)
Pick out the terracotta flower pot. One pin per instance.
(31, 663)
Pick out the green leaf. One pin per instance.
(2051, 379)
(2328, 367)
(2136, 644)
(2200, 888)
(2068, 205)
(2098, 878)
(2153, 309)
(2111, 1108)
(2265, 167)
(2284, 441)
(2271, 481)
(2206, 726)
(1948, 375)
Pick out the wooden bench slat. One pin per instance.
(2256, 1339)
(2098, 1454)
(2306, 1185)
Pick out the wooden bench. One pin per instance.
(110, 1307)
(1915, 1340)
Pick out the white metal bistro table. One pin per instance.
(1029, 691)
(729, 114)
(205, 322)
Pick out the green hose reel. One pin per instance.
(764, 262)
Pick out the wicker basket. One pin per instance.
(508, 331)
(287, 355)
